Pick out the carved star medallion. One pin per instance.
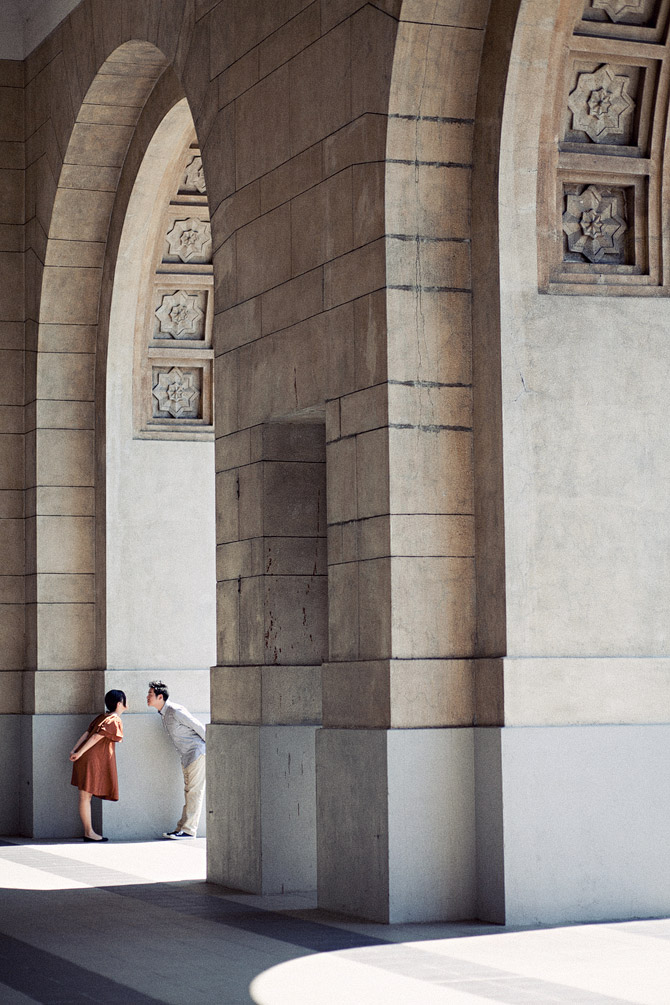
(617, 9)
(595, 226)
(600, 104)
(190, 239)
(175, 393)
(194, 177)
(180, 316)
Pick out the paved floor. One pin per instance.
(135, 924)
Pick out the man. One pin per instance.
(188, 735)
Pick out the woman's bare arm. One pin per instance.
(79, 742)
(92, 740)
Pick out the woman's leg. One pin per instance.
(85, 814)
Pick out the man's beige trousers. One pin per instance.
(194, 790)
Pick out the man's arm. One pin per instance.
(183, 715)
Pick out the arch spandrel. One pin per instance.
(432, 98)
(65, 623)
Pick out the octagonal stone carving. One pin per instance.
(190, 239)
(175, 392)
(600, 104)
(618, 10)
(180, 316)
(194, 177)
(595, 224)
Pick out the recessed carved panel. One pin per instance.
(636, 12)
(603, 209)
(189, 241)
(602, 106)
(595, 224)
(176, 392)
(608, 106)
(173, 345)
(194, 178)
(181, 315)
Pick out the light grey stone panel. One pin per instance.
(396, 823)
(431, 812)
(586, 817)
(234, 807)
(186, 687)
(489, 826)
(10, 746)
(352, 822)
(288, 808)
(151, 783)
(48, 802)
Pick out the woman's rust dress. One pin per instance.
(95, 771)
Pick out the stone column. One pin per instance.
(266, 689)
(12, 315)
(395, 779)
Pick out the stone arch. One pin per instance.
(65, 632)
(429, 157)
(73, 242)
(597, 329)
(560, 380)
(159, 485)
(64, 629)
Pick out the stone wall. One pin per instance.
(410, 467)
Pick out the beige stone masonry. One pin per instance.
(59, 692)
(265, 695)
(11, 697)
(403, 694)
(271, 551)
(568, 691)
(295, 175)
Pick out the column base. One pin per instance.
(396, 823)
(10, 781)
(573, 823)
(48, 803)
(261, 808)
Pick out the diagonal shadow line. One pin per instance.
(51, 980)
(282, 927)
(196, 899)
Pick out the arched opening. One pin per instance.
(159, 469)
(66, 454)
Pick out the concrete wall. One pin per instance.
(584, 825)
(586, 441)
(10, 782)
(151, 783)
(338, 143)
(161, 577)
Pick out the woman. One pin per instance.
(94, 756)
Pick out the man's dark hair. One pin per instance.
(159, 689)
(112, 699)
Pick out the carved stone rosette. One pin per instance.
(190, 239)
(180, 316)
(595, 225)
(617, 10)
(175, 392)
(194, 178)
(174, 353)
(603, 219)
(600, 104)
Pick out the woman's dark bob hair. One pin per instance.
(112, 699)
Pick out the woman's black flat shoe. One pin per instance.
(95, 840)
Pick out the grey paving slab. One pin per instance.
(131, 924)
(8, 996)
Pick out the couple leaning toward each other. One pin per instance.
(94, 755)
